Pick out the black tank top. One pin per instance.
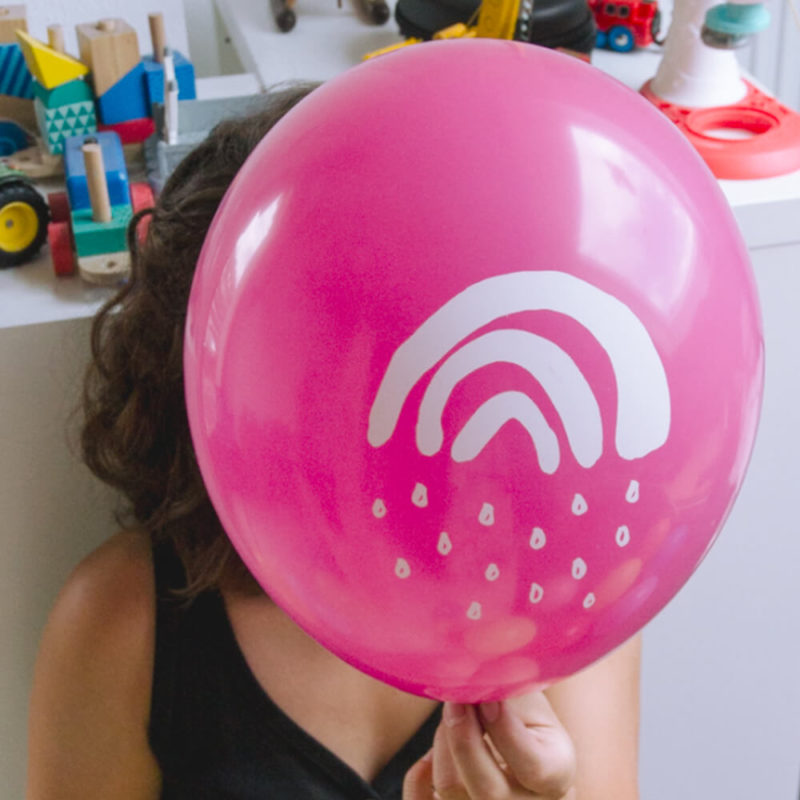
(214, 731)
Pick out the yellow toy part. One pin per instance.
(497, 19)
(493, 19)
(49, 67)
(19, 225)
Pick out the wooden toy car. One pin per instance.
(90, 220)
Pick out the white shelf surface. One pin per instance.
(328, 40)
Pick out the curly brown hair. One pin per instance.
(135, 433)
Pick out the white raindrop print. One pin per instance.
(536, 593)
(538, 539)
(589, 600)
(486, 517)
(492, 572)
(623, 535)
(445, 545)
(474, 611)
(579, 505)
(632, 495)
(402, 568)
(379, 509)
(419, 497)
(579, 568)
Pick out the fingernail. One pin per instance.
(427, 757)
(454, 713)
(490, 711)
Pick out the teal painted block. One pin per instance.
(95, 238)
(77, 91)
(56, 124)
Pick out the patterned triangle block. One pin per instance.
(68, 120)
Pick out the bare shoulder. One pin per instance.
(600, 708)
(91, 692)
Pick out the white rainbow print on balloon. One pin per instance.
(643, 399)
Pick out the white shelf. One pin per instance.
(32, 294)
(328, 40)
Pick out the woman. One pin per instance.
(165, 671)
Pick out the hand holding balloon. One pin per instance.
(528, 754)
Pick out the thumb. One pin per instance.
(533, 743)
(418, 783)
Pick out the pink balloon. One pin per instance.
(473, 365)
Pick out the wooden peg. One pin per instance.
(55, 38)
(158, 35)
(96, 180)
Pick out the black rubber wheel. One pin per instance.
(23, 223)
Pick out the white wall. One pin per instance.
(53, 512)
(721, 693)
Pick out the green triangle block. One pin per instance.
(71, 112)
(83, 119)
(57, 113)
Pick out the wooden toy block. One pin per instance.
(20, 110)
(16, 79)
(107, 269)
(125, 100)
(132, 131)
(48, 66)
(95, 238)
(154, 78)
(77, 91)
(116, 172)
(110, 48)
(36, 162)
(56, 124)
(12, 19)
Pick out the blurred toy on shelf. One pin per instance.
(90, 220)
(24, 217)
(166, 64)
(36, 162)
(623, 25)
(566, 25)
(181, 125)
(111, 87)
(17, 117)
(740, 131)
(283, 11)
(110, 49)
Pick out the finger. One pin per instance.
(418, 782)
(477, 770)
(446, 780)
(532, 741)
